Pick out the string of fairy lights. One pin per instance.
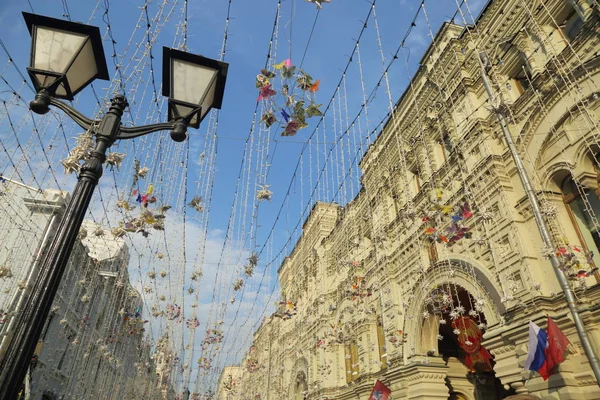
(176, 294)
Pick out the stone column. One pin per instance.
(427, 381)
(506, 355)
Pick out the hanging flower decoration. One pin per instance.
(213, 336)
(287, 309)
(173, 312)
(252, 364)
(229, 383)
(451, 217)
(118, 231)
(357, 289)
(147, 218)
(571, 260)
(204, 363)
(134, 323)
(284, 106)
(439, 301)
(124, 204)
(192, 323)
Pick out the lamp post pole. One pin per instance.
(541, 223)
(30, 323)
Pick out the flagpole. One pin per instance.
(541, 223)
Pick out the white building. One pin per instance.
(92, 345)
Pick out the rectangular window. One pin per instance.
(414, 181)
(383, 357)
(351, 358)
(447, 145)
(355, 364)
(433, 254)
(572, 26)
(348, 361)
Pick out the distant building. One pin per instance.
(164, 359)
(92, 344)
(391, 287)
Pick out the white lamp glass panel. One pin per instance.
(54, 49)
(183, 110)
(60, 90)
(45, 80)
(189, 82)
(83, 69)
(207, 102)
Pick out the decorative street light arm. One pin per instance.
(75, 115)
(179, 126)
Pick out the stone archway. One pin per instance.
(474, 279)
(472, 287)
(454, 331)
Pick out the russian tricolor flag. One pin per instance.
(545, 348)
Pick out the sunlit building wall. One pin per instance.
(380, 284)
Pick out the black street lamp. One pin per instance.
(65, 58)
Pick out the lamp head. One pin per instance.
(65, 56)
(193, 84)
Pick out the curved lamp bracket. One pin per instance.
(124, 132)
(75, 115)
(136, 131)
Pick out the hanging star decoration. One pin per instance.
(196, 204)
(252, 263)
(264, 193)
(278, 91)
(318, 3)
(115, 159)
(237, 285)
(79, 153)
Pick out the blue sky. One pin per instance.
(334, 37)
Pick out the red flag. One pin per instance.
(380, 392)
(557, 344)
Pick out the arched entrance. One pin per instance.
(454, 331)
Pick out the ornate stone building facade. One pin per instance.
(441, 238)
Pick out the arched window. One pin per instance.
(581, 216)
